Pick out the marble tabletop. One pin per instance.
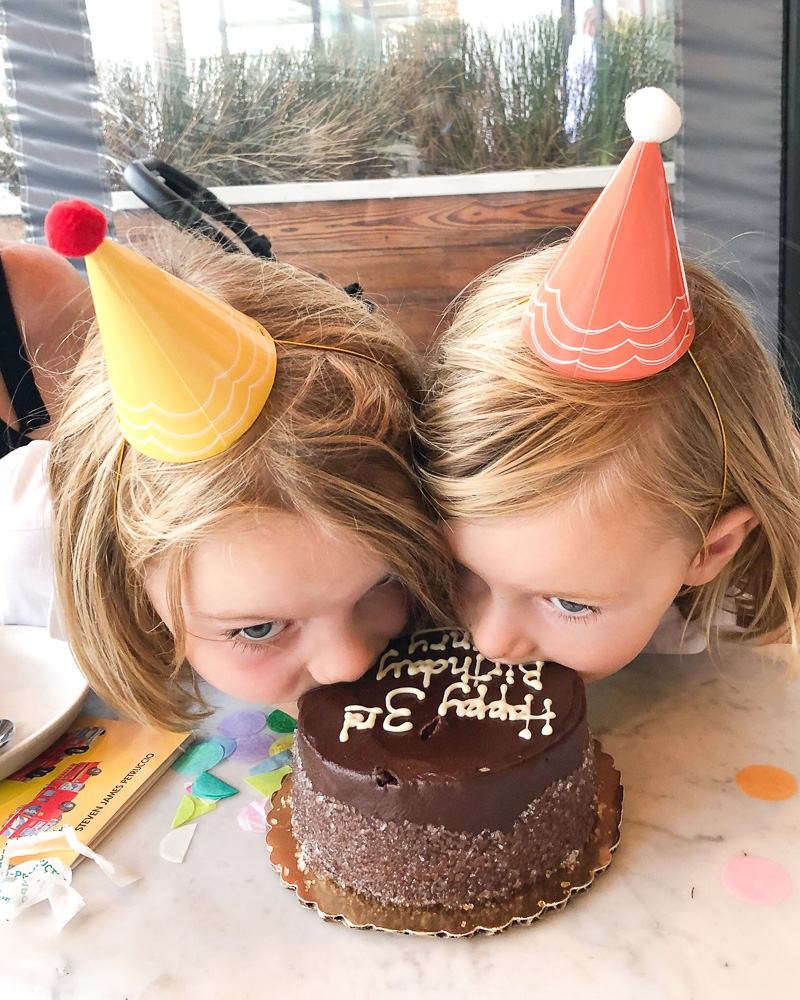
(657, 925)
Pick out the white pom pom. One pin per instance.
(652, 115)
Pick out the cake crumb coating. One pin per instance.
(413, 865)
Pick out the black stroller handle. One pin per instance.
(180, 199)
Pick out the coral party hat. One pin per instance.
(615, 306)
(189, 373)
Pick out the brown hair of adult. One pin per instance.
(333, 444)
(505, 434)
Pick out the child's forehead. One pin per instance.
(275, 563)
(596, 553)
(281, 539)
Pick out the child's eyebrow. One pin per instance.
(566, 593)
(587, 598)
(235, 616)
(578, 596)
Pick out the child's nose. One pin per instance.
(499, 634)
(344, 654)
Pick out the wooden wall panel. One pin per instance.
(412, 255)
(418, 222)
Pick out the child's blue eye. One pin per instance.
(572, 608)
(266, 630)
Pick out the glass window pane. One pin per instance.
(241, 92)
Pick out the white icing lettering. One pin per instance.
(449, 702)
(500, 708)
(467, 696)
(428, 668)
(460, 640)
(355, 718)
(392, 667)
(399, 713)
(486, 675)
(532, 676)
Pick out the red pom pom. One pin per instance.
(74, 228)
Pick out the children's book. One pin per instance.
(88, 779)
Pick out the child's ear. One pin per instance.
(721, 545)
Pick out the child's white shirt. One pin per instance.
(27, 593)
(675, 635)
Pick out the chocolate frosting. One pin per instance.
(464, 773)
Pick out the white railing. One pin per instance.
(557, 179)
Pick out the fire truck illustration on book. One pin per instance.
(71, 744)
(46, 809)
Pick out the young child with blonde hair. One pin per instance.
(230, 478)
(611, 444)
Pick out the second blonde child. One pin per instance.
(612, 447)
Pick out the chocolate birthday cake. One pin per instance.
(442, 778)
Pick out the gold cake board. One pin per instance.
(332, 902)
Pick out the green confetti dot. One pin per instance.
(280, 722)
(209, 786)
(202, 806)
(266, 784)
(186, 810)
(200, 757)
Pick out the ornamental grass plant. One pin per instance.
(441, 98)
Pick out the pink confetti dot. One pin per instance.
(253, 818)
(756, 880)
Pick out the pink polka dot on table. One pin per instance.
(253, 818)
(756, 880)
(244, 723)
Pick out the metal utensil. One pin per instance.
(6, 732)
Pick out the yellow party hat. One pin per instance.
(189, 373)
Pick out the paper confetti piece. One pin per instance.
(174, 846)
(763, 781)
(281, 744)
(756, 880)
(203, 806)
(253, 818)
(244, 723)
(281, 759)
(209, 786)
(200, 757)
(266, 784)
(185, 812)
(280, 722)
(252, 748)
(228, 744)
